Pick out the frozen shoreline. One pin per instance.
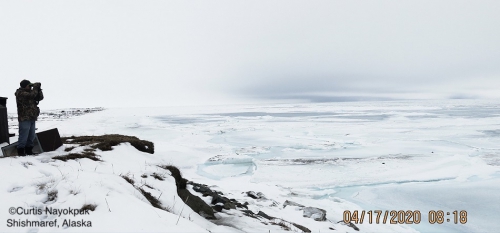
(365, 156)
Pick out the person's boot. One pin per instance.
(29, 150)
(20, 152)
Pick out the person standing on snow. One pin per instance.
(27, 113)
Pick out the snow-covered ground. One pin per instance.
(411, 155)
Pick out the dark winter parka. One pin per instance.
(27, 101)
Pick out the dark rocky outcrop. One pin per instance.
(244, 205)
(196, 204)
(264, 215)
(219, 201)
(216, 198)
(302, 228)
(271, 218)
(218, 208)
(176, 173)
(255, 195)
(229, 205)
(249, 213)
(353, 226)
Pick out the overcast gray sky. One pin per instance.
(154, 53)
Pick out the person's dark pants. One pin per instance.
(26, 134)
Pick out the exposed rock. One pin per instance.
(302, 228)
(205, 215)
(261, 215)
(201, 189)
(350, 224)
(216, 198)
(314, 213)
(218, 208)
(353, 226)
(220, 202)
(254, 195)
(291, 203)
(196, 204)
(239, 205)
(264, 215)
(176, 173)
(229, 205)
(249, 213)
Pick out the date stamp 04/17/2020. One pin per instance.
(404, 216)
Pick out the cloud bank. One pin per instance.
(153, 53)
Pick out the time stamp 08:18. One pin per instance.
(404, 217)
